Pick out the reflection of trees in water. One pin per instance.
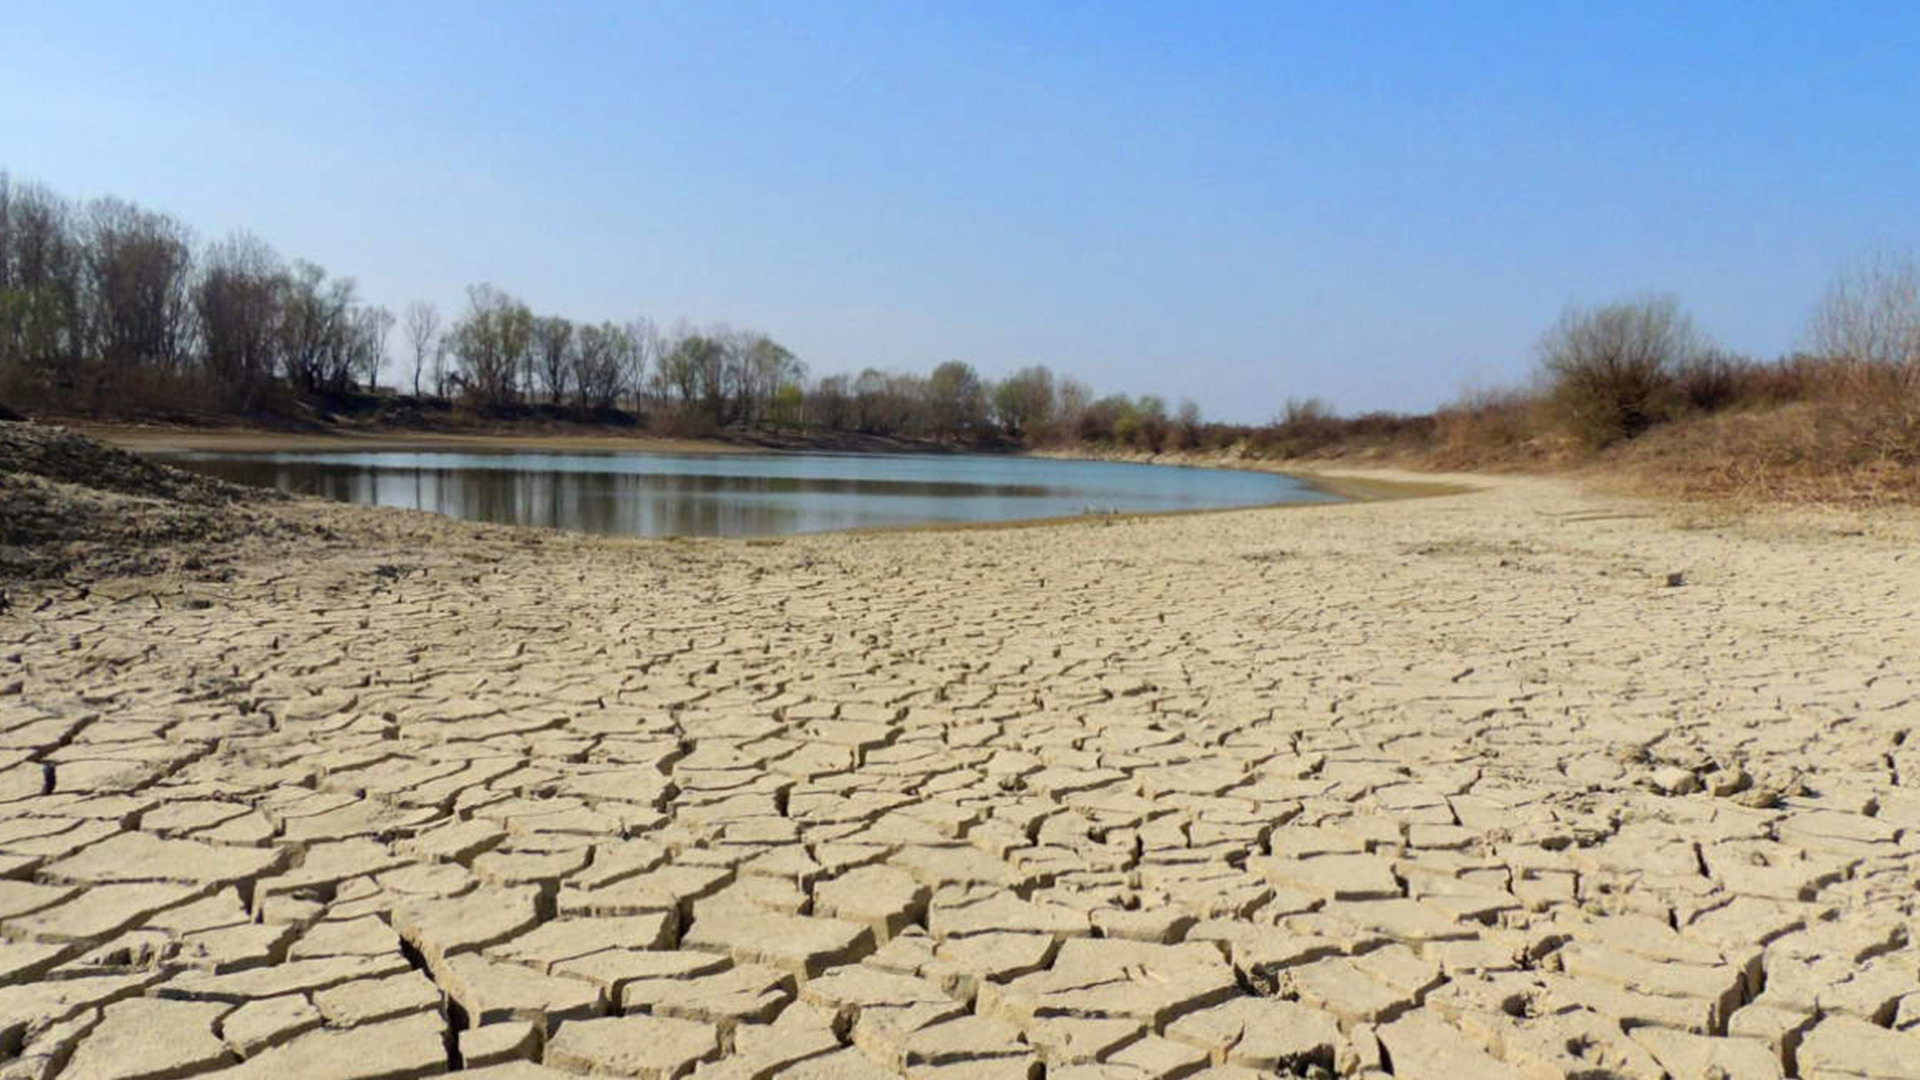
(697, 504)
(610, 503)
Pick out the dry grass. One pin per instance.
(1801, 430)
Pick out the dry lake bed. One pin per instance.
(1525, 782)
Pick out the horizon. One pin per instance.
(1239, 206)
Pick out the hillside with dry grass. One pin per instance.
(1633, 391)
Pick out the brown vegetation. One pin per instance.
(1632, 389)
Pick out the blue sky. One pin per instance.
(1375, 204)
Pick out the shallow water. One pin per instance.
(742, 494)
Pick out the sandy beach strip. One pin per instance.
(1513, 782)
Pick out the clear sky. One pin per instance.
(1376, 204)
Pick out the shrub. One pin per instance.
(1611, 370)
(1711, 381)
(1485, 426)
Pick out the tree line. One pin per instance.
(109, 308)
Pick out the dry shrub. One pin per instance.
(1855, 447)
(1711, 381)
(1611, 369)
(1311, 429)
(118, 392)
(1487, 427)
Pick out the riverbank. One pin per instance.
(1493, 783)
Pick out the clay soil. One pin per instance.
(1517, 780)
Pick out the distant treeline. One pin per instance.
(110, 309)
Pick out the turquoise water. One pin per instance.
(742, 494)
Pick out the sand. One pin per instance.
(1517, 782)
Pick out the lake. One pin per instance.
(646, 494)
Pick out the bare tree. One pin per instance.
(493, 343)
(314, 323)
(644, 348)
(1871, 313)
(553, 354)
(1188, 425)
(138, 265)
(371, 325)
(1070, 403)
(422, 324)
(830, 405)
(238, 300)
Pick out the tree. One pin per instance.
(1070, 402)
(313, 329)
(1102, 421)
(605, 364)
(42, 311)
(1611, 368)
(491, 343)
(956, 400)
(1870, 315)
(1024, 401)
(138, 265)
(553, 354)
(422, 326)
(643, 348)
(785, 410)
(831, 403)
(238, 303)
(1141, 422)
(370, 326)
(1187, 425)
(690, 370)
(765, 366)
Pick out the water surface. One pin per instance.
(646, 494)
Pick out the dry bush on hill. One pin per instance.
(1611, 370)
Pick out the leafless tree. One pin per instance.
(371, 325)
(1188, 424)
(238, 300)
(1871, 313)
(422, 326)
(493, 343)
(553, 354)
(1070, 403)
(138, 265)
(315, 327)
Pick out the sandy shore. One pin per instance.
(1449, 787)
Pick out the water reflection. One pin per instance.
(739, 495)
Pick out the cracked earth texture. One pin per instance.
(1458, 787)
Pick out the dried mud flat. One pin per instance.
(1457, 787)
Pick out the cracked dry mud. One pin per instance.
(1448, 788)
